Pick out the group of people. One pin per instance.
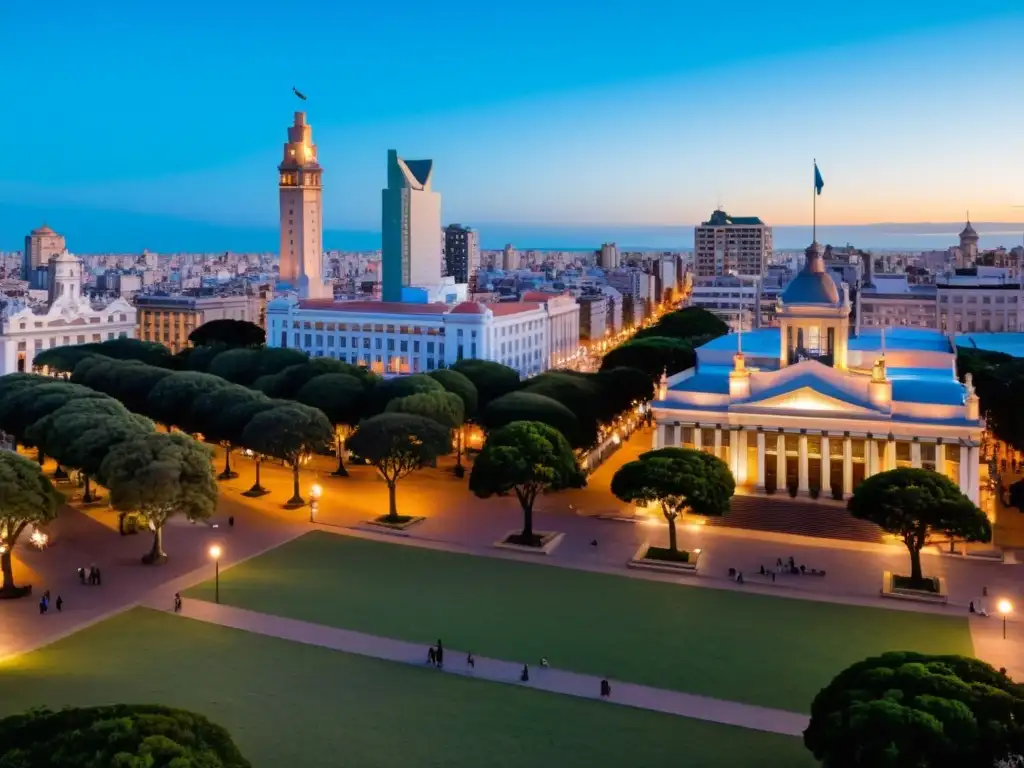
(93, 577)
(44, 603)
(435, 658)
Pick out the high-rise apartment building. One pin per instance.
(608, 257)
(301, 201)
(40, 246)
(411, 227)
(509, 258)
(731, 245)
(461, 252)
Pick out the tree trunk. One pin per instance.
(40, 458)
(392, 501)
(915, 561)
(258, 486)
(339, 447)
(527, 534)
(8, 570)
(227, 461)
(156, 554)
(673, 543)
(87, 497)
(458, 448)
(296, 498)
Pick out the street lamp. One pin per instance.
(314, 499)
(215, 552)
(1005, 606)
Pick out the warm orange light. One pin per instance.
(1005, 607)
(315, 491)
(215, 552)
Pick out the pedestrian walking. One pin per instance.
(524, 676)
(432, 656)
(231, 521)
(470, 660)
(42, 605)
(81, 575)
(46, 596)
(59, 603)
(99, 578)
(606, 689)
(439, 655)
(177, 602)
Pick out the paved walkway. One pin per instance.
(551, 680)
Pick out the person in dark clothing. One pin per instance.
(432, 656)
(606, 689)
(524, 676)
(42, 605)
(99, 579)
(177, 602)
(439, 654)
(471, 660)
(81, 575)
(231, 521)
(59, 603)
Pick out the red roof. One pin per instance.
(511, 307)
(540, 296)
(376, 307)
(469, 308)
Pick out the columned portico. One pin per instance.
(826, 466)
(760, 460)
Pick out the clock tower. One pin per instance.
(301, 198)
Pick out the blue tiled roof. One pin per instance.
(910, 339)
(714, 382)
(760, 343)
(933, 391)
(1007, 343)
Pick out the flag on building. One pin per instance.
(818, 181)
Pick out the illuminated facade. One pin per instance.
(301, 203)
(809, 406)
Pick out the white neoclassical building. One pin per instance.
(67, 318)
(809, 405)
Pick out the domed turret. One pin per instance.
(812, 285)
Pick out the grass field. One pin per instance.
(308, 707)
(770, 651)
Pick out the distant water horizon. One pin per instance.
(101, 231)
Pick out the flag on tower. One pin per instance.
(818, 181)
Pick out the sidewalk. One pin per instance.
(551, 680)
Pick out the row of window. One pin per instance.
(55, 341)
(92, 320)
(943, 299)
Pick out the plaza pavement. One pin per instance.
(548, 679)
(457, 521)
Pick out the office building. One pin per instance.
(891, 301)
(731, 245)
(509, 258)
(41, 245)
(608, 256)
(301, 214)
(410, 227)
(169, 320)
(461, 252)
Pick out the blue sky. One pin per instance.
(611, 113)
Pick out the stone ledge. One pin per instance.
(382, 522)
(917, 595)
(549, 542)
(640, 562)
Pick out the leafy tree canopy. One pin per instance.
(171, 400)
(913, 503)
(387, 390)
(682, 480)
(228, 333)
(910, 709)
(443, 407)
(61, 359)
(341, 397)
(530, 406)
(119, 736)
(458, 384)
(652, 355)
(199, 358)
(579, 393)
(212, 408)
(274, 359)
(288, 432)
(239, 366)
(27, 497)
(687, 323)
(492, 380)
(998, 378)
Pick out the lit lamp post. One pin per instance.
(215, 552)
(1005, 606)
(314, 500)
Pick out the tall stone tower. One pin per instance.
(301, 197)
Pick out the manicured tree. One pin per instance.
(492, 380)
(458, 384)
(198, 358)
(27, 406)
(687, 323)
(443, 407)
(290, 433)
(160, 475)
(233, 422)
(912, 503)
(653, 355)
(27, 497)
(274, 359)
(577, 392)
(528, 458)
(911, 709)
(286, 383)
(170, 401)
(228, 333)
(397, 444)
(681, 480)
(61, 359)
(148, 352)
(121, 736)
(11, 386)
(342, 398)
(529, 406)
(208, 412)
(622, 389)
(239, 366)
(387, 390)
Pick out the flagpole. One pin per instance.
(814, 205)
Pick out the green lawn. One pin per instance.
(295, 705)
(763, 650)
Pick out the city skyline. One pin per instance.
(600, 146)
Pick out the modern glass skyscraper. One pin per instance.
(410, 227)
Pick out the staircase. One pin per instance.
(805, 518)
